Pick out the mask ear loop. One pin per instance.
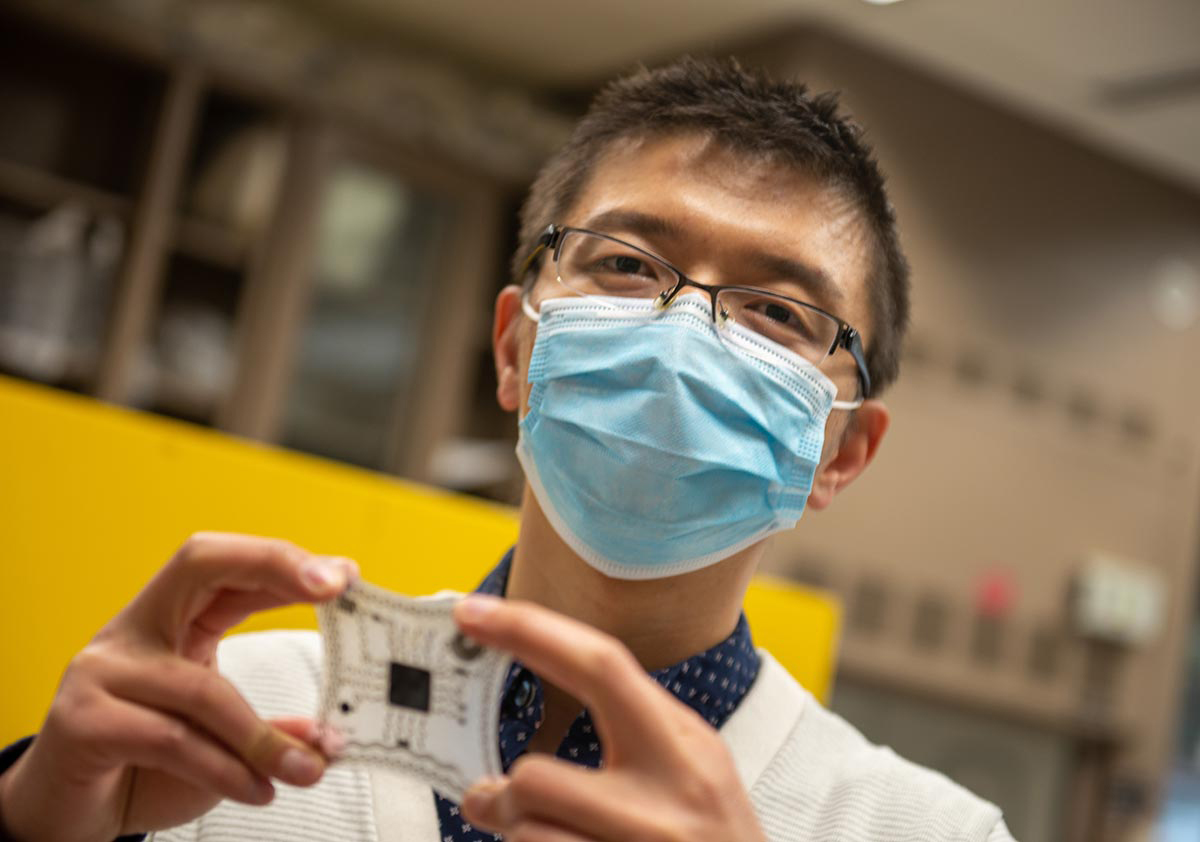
(528, 310)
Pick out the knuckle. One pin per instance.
(703, 791)
(282, 554)
(193, 552)
(86, 663)
(702, 788)
(169, 739)
(203, 550)
(608, 658)
(282, 548)
(201, 688)
(87, 671)
(531, 779)
(194, 545)
(68, 716)
(525, 785)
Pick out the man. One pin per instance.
(710, 300)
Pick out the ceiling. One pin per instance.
(1125, 74)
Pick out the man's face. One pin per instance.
(725, 220)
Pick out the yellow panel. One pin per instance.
(799, 626)
(93, 499)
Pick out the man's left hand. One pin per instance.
(667, 775)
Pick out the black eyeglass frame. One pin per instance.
(847, 337)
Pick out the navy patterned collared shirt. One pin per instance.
(711, 683)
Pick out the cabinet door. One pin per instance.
(380, 250)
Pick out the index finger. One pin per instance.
(250, 562)
(587, 663)
(216, 579)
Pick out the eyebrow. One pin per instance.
(812, 279)
(635, 222)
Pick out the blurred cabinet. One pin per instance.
(180, 240)
(75, 130)
(227, 154)
(373, 304)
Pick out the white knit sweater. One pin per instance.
(811, 776)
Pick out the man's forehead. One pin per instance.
(700, 195)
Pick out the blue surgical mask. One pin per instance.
(657, 443)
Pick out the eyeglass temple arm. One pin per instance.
(852, 342)
(543, 242)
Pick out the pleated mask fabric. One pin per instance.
(657, 443)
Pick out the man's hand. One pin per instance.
(144, 733)
(667, 775)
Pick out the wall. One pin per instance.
(1044, 412)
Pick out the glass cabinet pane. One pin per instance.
(57, 274)
(375, 267)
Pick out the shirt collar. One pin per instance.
(712, 683)
(496, 582)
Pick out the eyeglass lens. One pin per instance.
(593, 265)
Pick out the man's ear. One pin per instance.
(859, 445)
(506, 347)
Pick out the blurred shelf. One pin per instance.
(44, 190)
(871, 666)
(212, 242)
(198, 238)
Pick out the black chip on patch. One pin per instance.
(408, 687)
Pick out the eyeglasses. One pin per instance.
(590, 263)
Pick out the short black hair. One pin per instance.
(750, 114)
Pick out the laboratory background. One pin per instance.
(285, 222)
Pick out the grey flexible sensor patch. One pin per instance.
(404, 689)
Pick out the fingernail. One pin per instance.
(331, 742)
(480, 797)
(299, 766)
(264, 793)
(350, 566)
(476, 607)
(312, 732)
(321, 574)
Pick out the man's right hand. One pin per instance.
(144, 733)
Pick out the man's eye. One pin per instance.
(779, 313)
(774, 319)
(625, 264)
